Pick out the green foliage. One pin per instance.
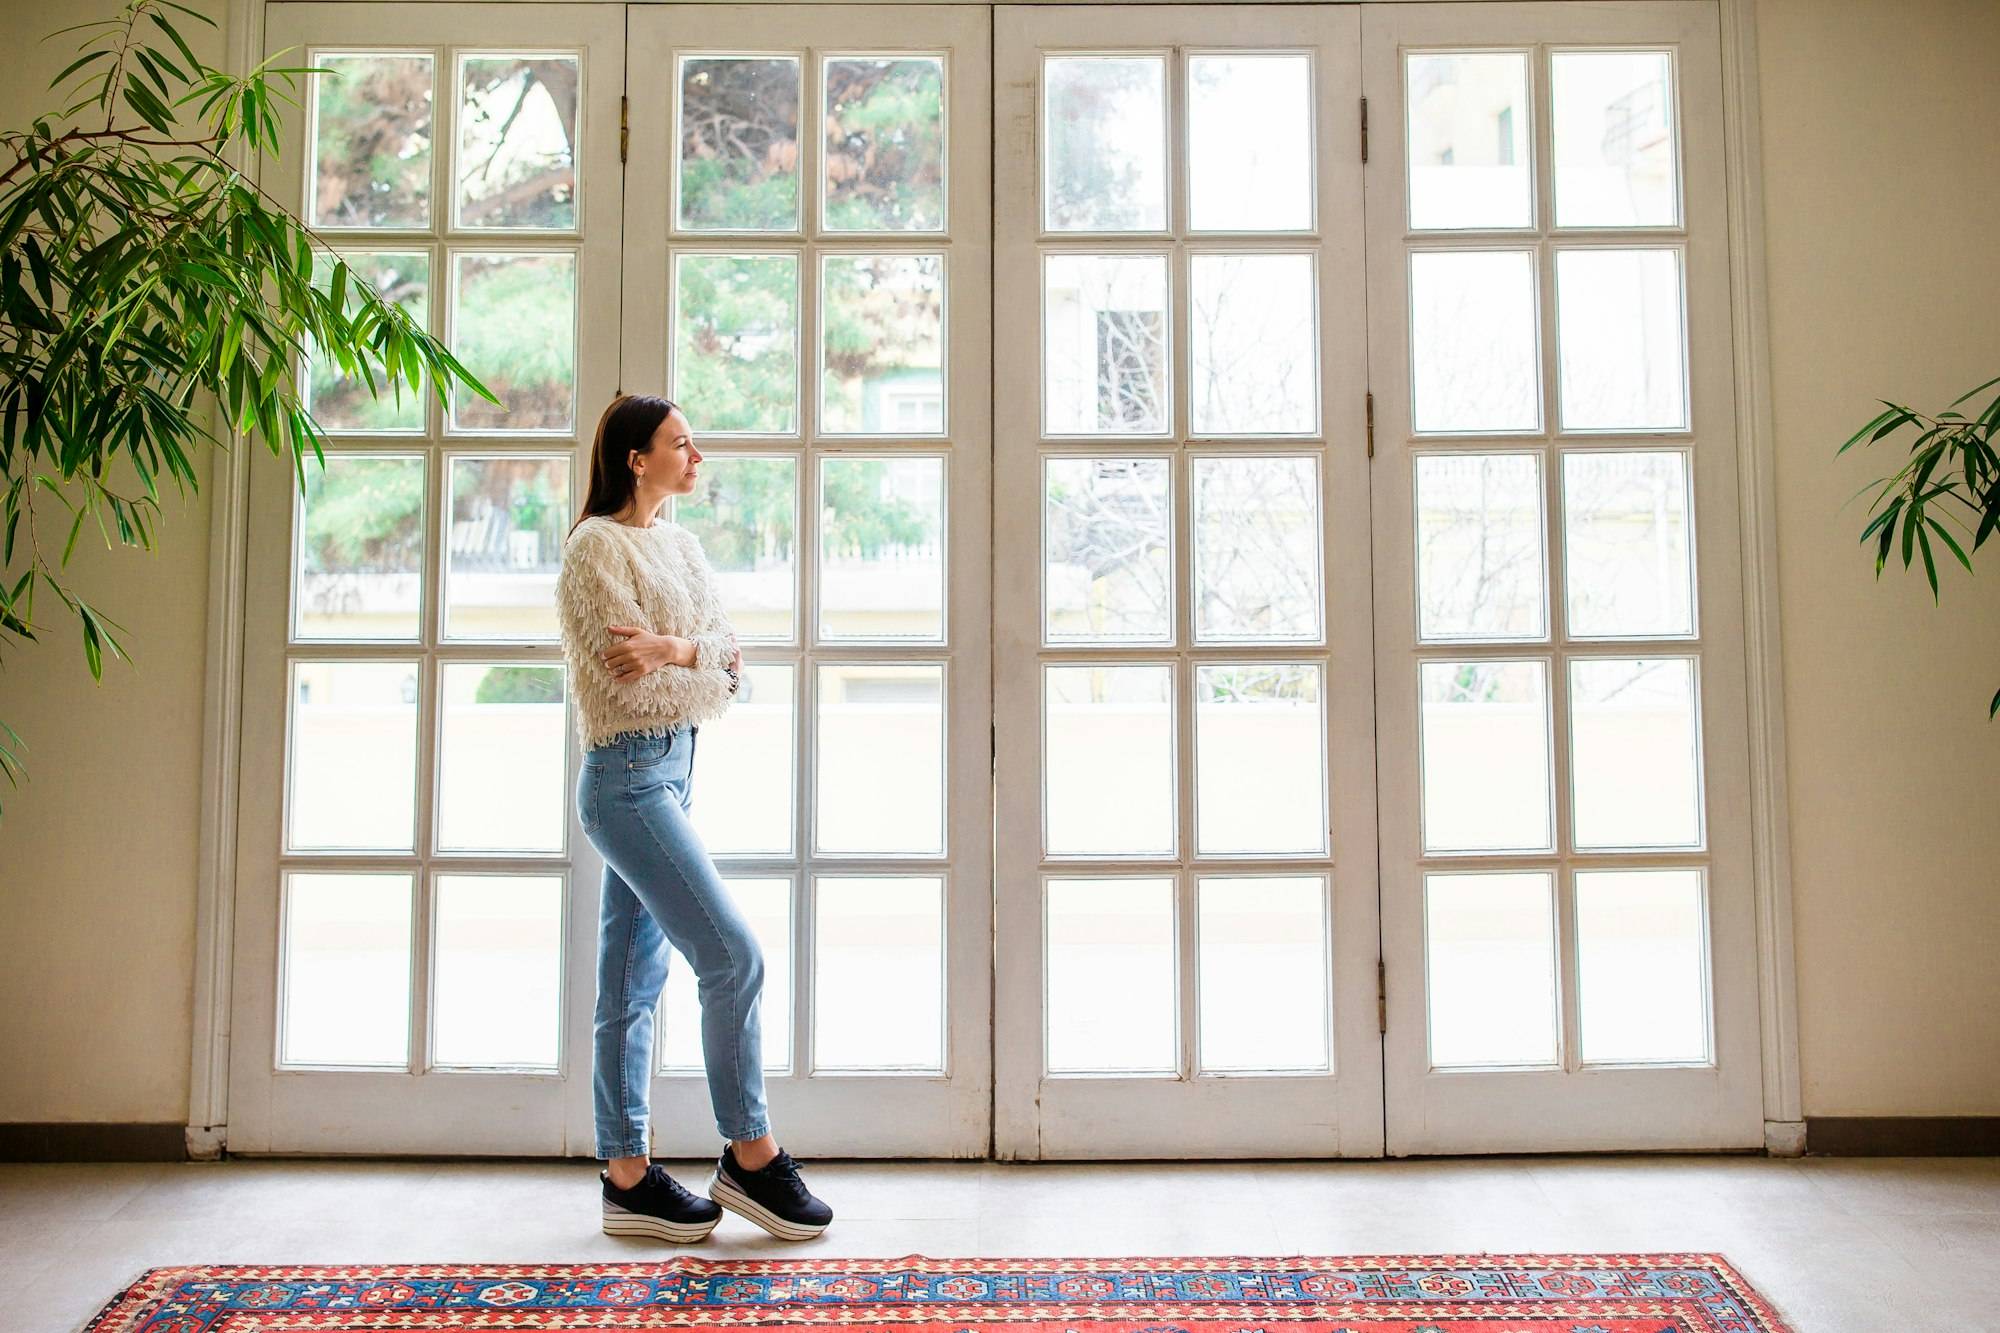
(1952, 462)
(144, 276)
(520, 685)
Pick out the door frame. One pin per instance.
(219, 870)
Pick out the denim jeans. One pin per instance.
(661, 889)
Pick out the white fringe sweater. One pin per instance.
(658, 579)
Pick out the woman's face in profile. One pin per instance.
(671, 466)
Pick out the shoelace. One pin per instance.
(676, 1191)
(783, 1170)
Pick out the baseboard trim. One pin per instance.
(92, 1142)
(1903, 1136)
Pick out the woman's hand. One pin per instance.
(639, 653)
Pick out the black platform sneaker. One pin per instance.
(772, 1196)
(658, 1206)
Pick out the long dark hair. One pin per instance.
(626, 425)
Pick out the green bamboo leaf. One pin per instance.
(1994, 707)
(150, 62)
(1945, 533)
(1930, 568)
(78, 64)
(1855, 438)
(191, 13)
(69, 547)
(1981, 389)
(93, 654)
(187, 53)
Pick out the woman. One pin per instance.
(651, 657)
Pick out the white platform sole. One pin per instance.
(624, 1222)
(736, 1201)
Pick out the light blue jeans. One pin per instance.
(661, 889)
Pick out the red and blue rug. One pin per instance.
(1481, 1293)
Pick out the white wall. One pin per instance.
(1882, 183)
(97, 850)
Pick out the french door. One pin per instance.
(1186, 898)
(415, 924)
(1270, 685)
(1566, 898)
(806, 263)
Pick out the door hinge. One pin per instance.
(624, 127)
(1381, 996)
(1369, 411)
(1364, 129)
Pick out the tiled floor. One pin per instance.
(1841, 1245)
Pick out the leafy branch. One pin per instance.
(1952, 463)
(148, 282)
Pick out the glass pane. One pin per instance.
(1473, 359)
(1104, 345)
(353, 781)
(1256, 550)
(341, 402)
(496, 994)
(880, 784)
(1468, 140)
(508, 519)
(1253, 345)
(739, 158)
(517, 126)
(1485, 731)
(1614, 139)
(885, 144)
(1641, 966)
(1618, 320)
(766, 905)
(1628, 566)
(745, 511)
(736, 342)
(883, 362)
(1111, 1006)
(361, 547)
(1479, 547)
(501, 754)
(1250, 120)
(371, 141)
(1108, 760)
(748, 764)
(513, 324)
(878, 973)
(1490, 954)
(1636, 752)
(1107, 559)
(881, 549)
(1106, 150)
(1263, 995)
(346, 970)
(1260, 760)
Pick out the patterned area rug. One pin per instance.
(1483, 1293)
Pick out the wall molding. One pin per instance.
(1756, 454)
(206, 1131)
(1903, 1135)
(92, 1141)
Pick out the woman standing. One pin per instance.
(651, 657)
